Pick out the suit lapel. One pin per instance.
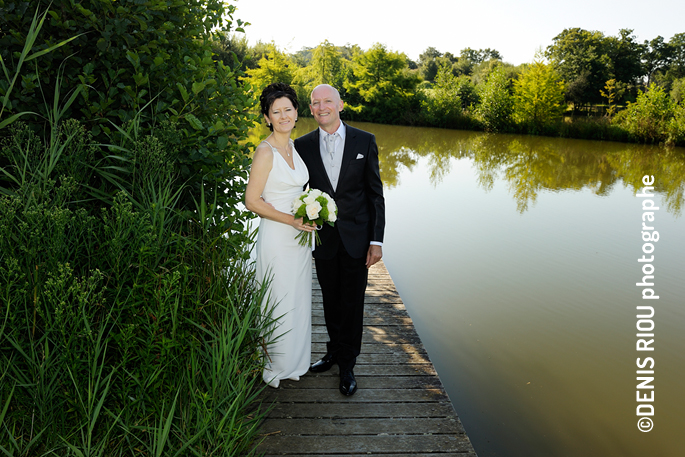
(348, 151)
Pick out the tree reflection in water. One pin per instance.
(532, 164)
(529, 164)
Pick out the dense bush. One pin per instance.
(129, 321)
(496, 102)
(442, 105)
(126, 328)
(148, 60)
(676, 126)
(647, 119)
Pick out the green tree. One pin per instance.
(677, 43)
(626, 65)
(496, 102)
(538, 95)
(482, 70)
(381, 86)
(581, 58)
(467, 92)
(674, 68)
(470, 58)
(444, 104)
(302, 57)
(326, 66)
(274, 66)
(234, 51)
(613, 92)
(678, 91)
(428, 63)
(656, 56)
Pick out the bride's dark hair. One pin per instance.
(273, 92)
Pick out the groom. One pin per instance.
(343, 162)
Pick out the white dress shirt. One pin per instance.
(332, 165)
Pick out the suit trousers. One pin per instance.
(343, 282)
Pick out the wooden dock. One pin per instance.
(400, 409)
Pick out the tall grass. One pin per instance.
(127, 327)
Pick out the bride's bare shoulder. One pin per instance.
(263, 153)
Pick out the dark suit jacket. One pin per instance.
(359, 196)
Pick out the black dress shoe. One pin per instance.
(322, 365)
(348, 385)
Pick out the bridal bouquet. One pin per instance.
(314, 206)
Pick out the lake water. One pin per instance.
(516, 257)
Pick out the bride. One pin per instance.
(277, 177)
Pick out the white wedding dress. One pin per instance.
(280, 259)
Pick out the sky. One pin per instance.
(514, 28)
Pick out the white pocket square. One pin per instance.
(360, 156)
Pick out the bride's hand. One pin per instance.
(299, 224)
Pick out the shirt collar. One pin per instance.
(341, 131)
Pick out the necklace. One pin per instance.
(284, 148)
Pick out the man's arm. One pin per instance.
(374, 190)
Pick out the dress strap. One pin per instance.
(290, 141)
(273, 148)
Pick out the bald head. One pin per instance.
(326, 107)
(326, 89)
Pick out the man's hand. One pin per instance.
(373, 255)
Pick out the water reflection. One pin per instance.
(532, 164)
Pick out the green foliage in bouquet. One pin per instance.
(314, 207)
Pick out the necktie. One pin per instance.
(330, 145)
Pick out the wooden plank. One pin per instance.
(375, 321)
(368, 338)
(370, 382)
(386, 330)
(397, 310)
(364, 395)
(323, 445)
(366, 454)
(320, 349)
(350, 410)
(388, 359)
(384, 358)
(395, 370)
(420, 426)
(368, 300)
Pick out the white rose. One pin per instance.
(296, 205)
(313, 210)
(315, 192)
(309, 199)
(331, 214)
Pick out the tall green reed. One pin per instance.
(128, 326)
